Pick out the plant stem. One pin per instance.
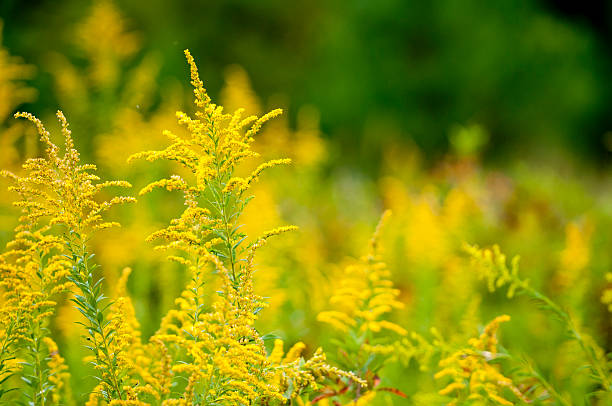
(566, 319)
(82, 277)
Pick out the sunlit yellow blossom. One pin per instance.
(33, 272)
(61, 188)
(57, 191)
(491, 265)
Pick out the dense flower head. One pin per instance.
(216, 145)
(59, 189)
(59, 375)
(60, 211)
(33, 272)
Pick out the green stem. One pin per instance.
(37, 332)
(83, 278)
(547, 385)
(5, 355)
(39, 388)
(228, 242)
(576, 335)
(221, 201)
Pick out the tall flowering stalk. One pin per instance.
(362, 299)
(215, 346)
(60, 213)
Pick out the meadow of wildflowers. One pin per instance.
(215, 253)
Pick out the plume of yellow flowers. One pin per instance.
(365, 294)
(146, 365)
(215, 199)
(473, 376)
(214, 346)
(15, 302)
(60, 188)
(57, 198)
(364, 297)
(58, 374)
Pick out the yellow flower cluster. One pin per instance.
(491, 265)
(472, 373)
(33, 273)
(365, 294)
(55, 191)
(60, 188)
(363, 298)
(217, 144)
(146, 365)
(226, 359)
(58, 373)
(212, 297)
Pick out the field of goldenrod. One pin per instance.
(215, 253)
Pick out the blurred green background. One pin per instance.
(533, 74)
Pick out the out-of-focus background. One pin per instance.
(479, 122)
(533, 74)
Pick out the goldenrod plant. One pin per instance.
(59, 215)
(362, 300)
(214, 346)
